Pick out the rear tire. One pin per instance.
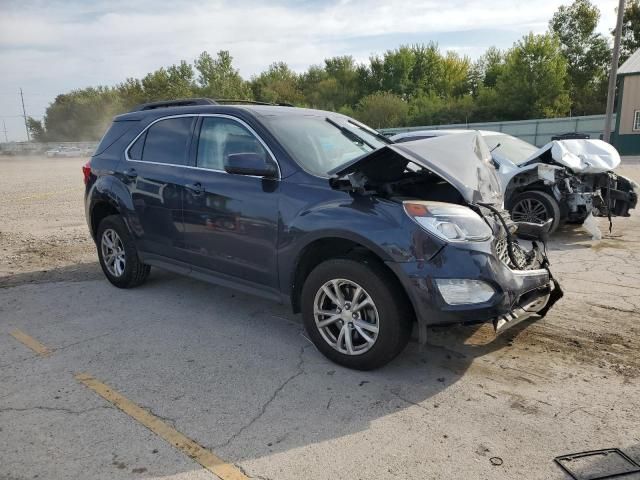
(118, 254)
(368, 326)
(535, 206)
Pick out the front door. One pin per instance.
(230, 221)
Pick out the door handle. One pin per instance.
(131, 174)
(194, 188)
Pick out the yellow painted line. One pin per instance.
(30, 342)
(210, 461)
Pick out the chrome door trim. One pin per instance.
(220, 115)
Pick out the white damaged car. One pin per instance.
(565, 180)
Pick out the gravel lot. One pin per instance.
(237, 375)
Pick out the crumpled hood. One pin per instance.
(581, 156)
(463, 160)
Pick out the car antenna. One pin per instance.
(498, 145)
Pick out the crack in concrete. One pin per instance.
(54, 409)
(83, 341)
(274, 395)
(248, 475)
(168, 420)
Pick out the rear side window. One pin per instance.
(115, 131)
(167, 141)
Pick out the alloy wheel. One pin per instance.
(113, 254)
(346, 316)
(529, 210)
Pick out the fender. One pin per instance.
(324, 222)
(112, 191)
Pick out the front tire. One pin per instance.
(536, 207)
(355, 313)
(118, 254)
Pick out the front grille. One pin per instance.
(524, 262)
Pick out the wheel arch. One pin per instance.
(108, 196)
(321, 249)
(99, 211)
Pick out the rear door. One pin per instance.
(154, 173)
(231, 221)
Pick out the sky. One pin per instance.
(51, 47)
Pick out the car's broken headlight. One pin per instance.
(448, 221)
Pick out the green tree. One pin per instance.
(176, 81)
(131, 93)
(278, 84)
(630, 41)
(309, 84)
(343, 87)
(428, 68)
(395, 71)
(587, 53)
(534, 81)
(82, 114)
(36, 130)
(454, 81)
(430, 109)
(382, 109)
(486, 70)
(217, 78)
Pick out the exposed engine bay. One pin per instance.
(405, 172)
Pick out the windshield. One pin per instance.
(320, 144)
(511, 148)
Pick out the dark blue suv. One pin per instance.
(365, 237)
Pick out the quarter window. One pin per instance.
(221, 137)
(135, 152)
(166, 141)
(636, 120)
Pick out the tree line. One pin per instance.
(561, 72)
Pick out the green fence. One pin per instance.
(538, 131)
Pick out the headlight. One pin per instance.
(448, 221)
(460, 291)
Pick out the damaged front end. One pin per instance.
(579, 174)
(450, 190)
(525, 262)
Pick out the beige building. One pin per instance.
(627, 132)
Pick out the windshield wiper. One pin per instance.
(351, 135)
(373, 132)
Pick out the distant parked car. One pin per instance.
(63, 151)
(315, 209)
(565, 180)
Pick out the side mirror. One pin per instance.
(249, 163)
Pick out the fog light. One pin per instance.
(459, 291)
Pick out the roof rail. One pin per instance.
(183, 102)
(224, 101)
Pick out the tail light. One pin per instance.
(86, 172)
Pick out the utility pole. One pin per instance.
(24, 113)
(4, 125)
(613, 73)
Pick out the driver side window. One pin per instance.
(221, 137)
